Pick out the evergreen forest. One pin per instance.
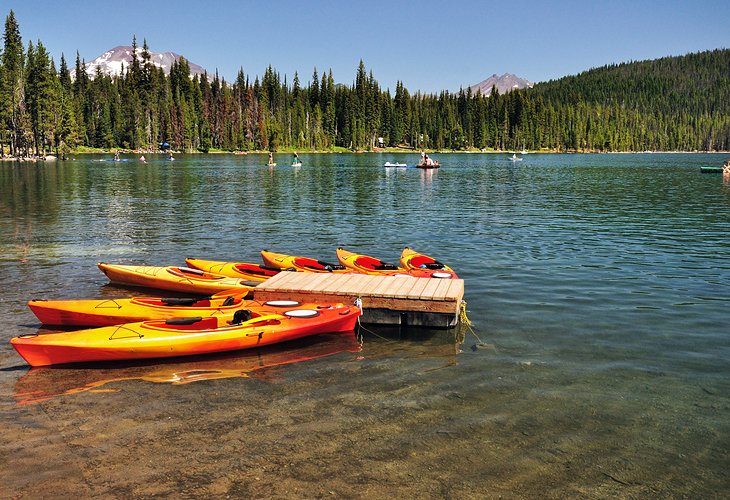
(669, 104)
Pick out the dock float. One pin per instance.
(392, 300)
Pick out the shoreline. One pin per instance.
(50, 157)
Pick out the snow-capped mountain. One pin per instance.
(504, 83)
(111, 61)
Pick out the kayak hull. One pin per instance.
(175, 279)
(171, 338)
(241, 270)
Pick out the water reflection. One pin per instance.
(42, 384)
(427, 176)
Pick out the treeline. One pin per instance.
(675, 103)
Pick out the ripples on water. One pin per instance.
(598, 268)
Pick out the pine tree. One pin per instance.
(12, 92)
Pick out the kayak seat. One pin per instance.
(241, 316)
(229, 301)
(175, 301)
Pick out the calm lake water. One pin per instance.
(599, 366)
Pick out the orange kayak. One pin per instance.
(176, 279)
(183, 336)
(287, 262)
(242, 270)
(412, 260)
(106, 312)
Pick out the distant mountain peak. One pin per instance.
(112, 61)
(504, 84)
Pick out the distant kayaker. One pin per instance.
(142, 158)
(271, 159)
(726, 167)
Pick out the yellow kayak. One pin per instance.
(176, 279)
(106, 312)
(370, 265)
(242, 270)
(412, 260)
(297, 263)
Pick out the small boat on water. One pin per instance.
(242, 270)
(297, 263)
(173, 278)
(366, 264)
(711, 170)
(389, 164)
(514, 157)
(427, 164)
(296, 164)
(183, 336)
(117, 311)
(37, 386)
(724, 169)
(415, 261)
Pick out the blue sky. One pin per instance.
(429, 45)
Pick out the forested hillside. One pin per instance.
(675, 103)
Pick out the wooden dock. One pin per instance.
(395, 300)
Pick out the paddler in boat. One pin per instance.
(726, 167)
(116, 155)
(143, 159)
(271, 159)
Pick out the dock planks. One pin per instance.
(394, 293)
